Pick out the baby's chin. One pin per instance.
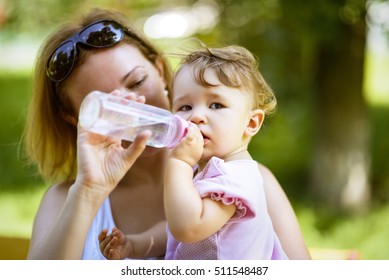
(204, 160)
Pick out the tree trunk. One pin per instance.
(341, 161)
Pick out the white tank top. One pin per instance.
(103, 219)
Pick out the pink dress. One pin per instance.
(249, 234)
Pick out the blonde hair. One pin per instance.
(235, 67)
(50, 141)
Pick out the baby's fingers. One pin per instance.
(110, 247)
(113, 255)
(104, 244)
(102, 235)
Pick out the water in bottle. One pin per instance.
(121, 118)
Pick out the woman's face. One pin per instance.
(122, 67)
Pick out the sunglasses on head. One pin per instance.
(100, 34)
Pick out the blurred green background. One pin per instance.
(328, 63)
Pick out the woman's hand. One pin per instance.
(103, 160)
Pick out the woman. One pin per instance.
(99, 182)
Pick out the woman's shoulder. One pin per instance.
(266, 173)
(270, 183)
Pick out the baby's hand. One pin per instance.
(114, 246)
(190, 148)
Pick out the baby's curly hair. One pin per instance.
(236, 67)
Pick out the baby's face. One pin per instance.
(221, 113)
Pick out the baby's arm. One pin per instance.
(190, 217)
(117, 245)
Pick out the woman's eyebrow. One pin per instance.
(130, 73)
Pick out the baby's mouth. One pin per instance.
(205, 137)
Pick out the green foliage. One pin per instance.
(380, 152)
(34, 15)
(37, 16)
(284, 144)
(15, 91)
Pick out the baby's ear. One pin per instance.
(255, 122)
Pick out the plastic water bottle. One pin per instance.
(121, 118)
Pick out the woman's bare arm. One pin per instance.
(61, 224)
(66, 212)
(283, 217)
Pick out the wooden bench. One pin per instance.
(334, 254)
(12, 248)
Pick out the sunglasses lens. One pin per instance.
(61, 62)
(97, 35)
(103, 34)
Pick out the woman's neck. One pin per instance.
(148, 169)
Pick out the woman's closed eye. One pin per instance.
(137, 83)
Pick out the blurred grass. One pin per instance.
(18, 210)
(368, 234)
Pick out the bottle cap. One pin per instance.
(182, 130)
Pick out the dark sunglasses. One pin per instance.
(100, 34)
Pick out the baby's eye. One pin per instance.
(185, 108)
(216, 106)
